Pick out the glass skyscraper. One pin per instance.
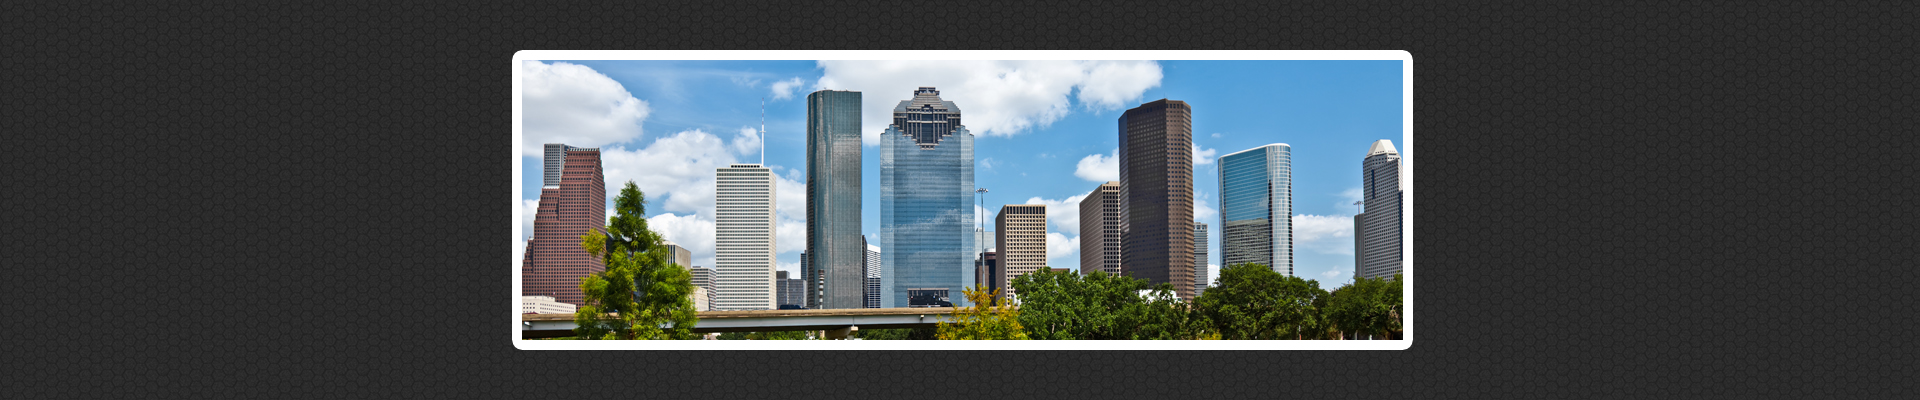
(1376, 252)
(1256, 207)
(926, 201)
(834, 242)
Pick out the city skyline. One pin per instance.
(1021, 158)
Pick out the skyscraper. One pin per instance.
(1100, 230)
(873, 276)
(792, 291)
(926, 196)
(833, 198)
(1256, 207)
(1200, 278)
(678, 255)
(573, 200)
(1021, 237)
(1156, 194)
(743, 237)
(1376, 252)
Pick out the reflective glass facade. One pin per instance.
(834, 243)
(1256, 207)
(926, 200)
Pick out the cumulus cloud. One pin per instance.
(986, 163)
(1062, 247)
(1203, 209)
(677, 174)
(1330, 274)
(1098, 168)
(783, 90)
(573, 104)
(1062, 215)
(1330, 234)
(689, 231)
(997, 98)
(1203, 156)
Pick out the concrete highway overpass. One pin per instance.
(837, 323)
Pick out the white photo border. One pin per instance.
(1406, 206)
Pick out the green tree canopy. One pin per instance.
(1254, 302)
(647, 293)
(983, 320)
(1100, 306)
(1369, 306)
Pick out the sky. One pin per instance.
(1046, 133)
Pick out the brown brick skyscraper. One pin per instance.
(1156, 194)
(572, 200)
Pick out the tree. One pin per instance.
(1100, 306)
(983, 320)
(897, 334)
(775, 335)
(1369, 306)
(647, 295)
(1254, 302)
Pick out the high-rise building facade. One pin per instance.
(926, 202)
(1200, 252)
(1256, 207)
(1021, 237)
(678, 255)
(1377, 244)
(986, 267)
(873, 276)
(743, 238)
(1156, 194)
(793, 292)
(833, 199)
(573, 200)
(1100, 230)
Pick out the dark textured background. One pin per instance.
(312, 199)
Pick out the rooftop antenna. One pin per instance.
(763, 131)
(1356, 208)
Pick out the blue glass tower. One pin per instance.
(926, 201)
(1256, 207)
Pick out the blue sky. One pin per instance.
(1045, 133)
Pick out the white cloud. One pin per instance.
(1098, 168)
(783, 90)
(1330, 274)
(689, 231)
(1348, 197)
(527, 207)
(792, 268)
(1216, 135)
(1213, 275)
(1060, 246)
(996, 98)
(1062, 215)
(1203, 209)
(986, 163)
(575, 105)
(1330, 234)
(1203, 156)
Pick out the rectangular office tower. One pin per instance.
(873, 275)
(833, 199)
(1100, 230)
(926, 203)
(1376, 230)
(1256, 206)
(743, 238)
(1200, 278)
(573, 199)
(1022, 242)
(1156, 194)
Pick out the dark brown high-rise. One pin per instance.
(1156, 194)
(572, 200)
